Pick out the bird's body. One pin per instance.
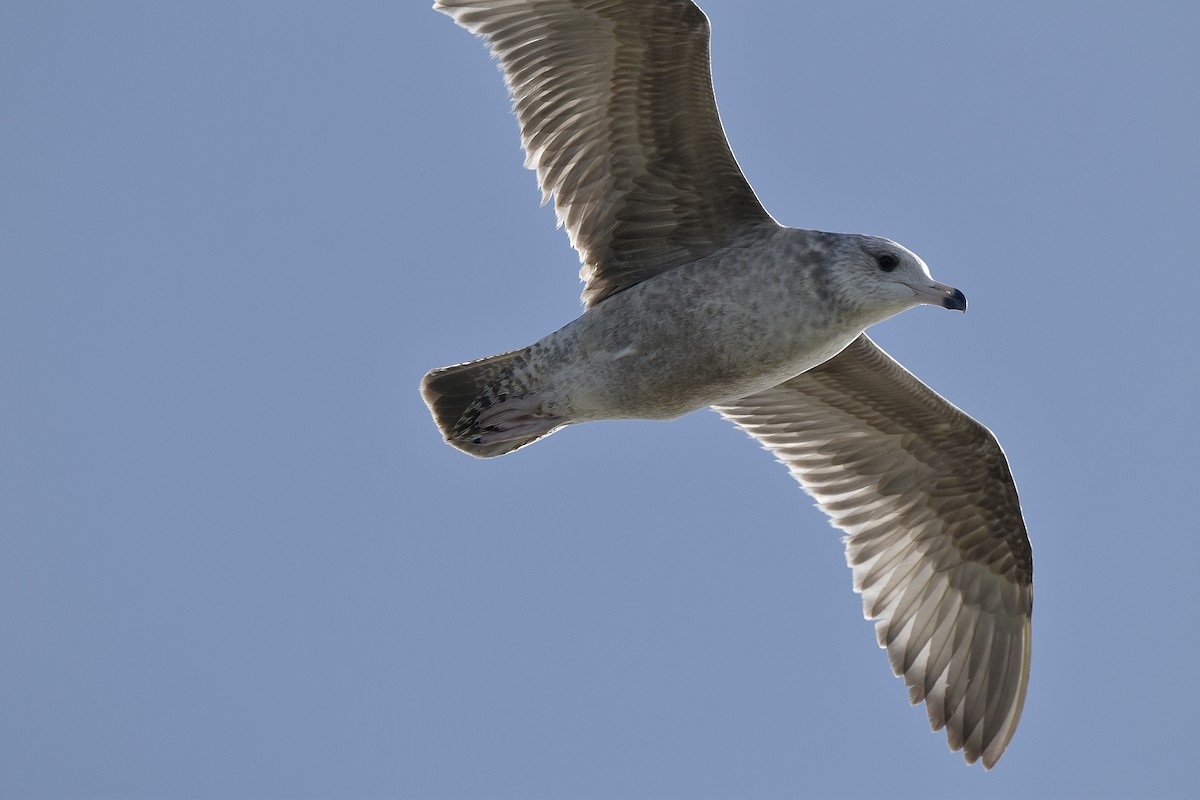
(771, 304)
(725, 326)
(696, 297)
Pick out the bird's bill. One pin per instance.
(939, 294)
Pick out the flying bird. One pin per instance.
(695, 296)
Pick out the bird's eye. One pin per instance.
(887, 262)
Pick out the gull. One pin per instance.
(695, 296)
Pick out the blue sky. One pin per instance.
(238, 561)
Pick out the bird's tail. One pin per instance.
(459, 395)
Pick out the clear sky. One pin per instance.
(236, 559)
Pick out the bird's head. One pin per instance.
(887, 278)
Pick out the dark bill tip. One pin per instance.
(956, 301)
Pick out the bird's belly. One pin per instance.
(667, 382)
(663, 365)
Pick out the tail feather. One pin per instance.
(456, 395)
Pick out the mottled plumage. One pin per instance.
(695, 297)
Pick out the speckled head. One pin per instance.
(884, 278)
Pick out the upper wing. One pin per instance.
(617, 116)
(934, 531)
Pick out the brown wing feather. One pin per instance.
(615, 103)
(934, 531)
